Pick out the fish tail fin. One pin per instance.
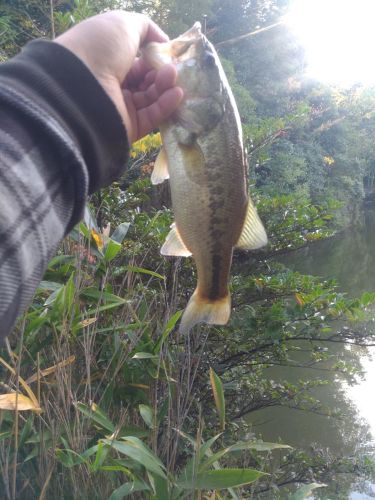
(202, 310)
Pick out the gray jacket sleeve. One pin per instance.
(61, 138)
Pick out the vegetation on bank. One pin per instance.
(118, 402)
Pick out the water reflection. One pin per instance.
(349, 258)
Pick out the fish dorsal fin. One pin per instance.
(174, 245)
(253, 234)
(160, 172)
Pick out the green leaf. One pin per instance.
(5, 435)
(195, 461)
(306, 491)
(106, 297)
(101, 455)
(135, 269)
(69, 294)
(147, 415)
(217, 389)
(97, 310)
(240, 446)
(69, 458)
(144, 355)
(132, 431)
(221, 479)
(26, 430)
(259, 446)
(111, 250)
(33, 453)
(120, 232)
(161, 488)
(42, 437)
(139, 452)
(89, 219)
(205, 447)
(129, 488)
(59, 260)
(167, 330)
(53, 296)
(117, 468)
(97, 415)
(49, 285)
(84, 230)
(90, 451)
(109, 299)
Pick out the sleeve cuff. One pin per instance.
(65, 88)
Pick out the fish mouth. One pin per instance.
(185, 46)
(191, 45)
(194, 32)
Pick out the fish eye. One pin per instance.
(208, 58)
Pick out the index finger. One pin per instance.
(137, 72)
(152, 32)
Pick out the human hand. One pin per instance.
(108, 45)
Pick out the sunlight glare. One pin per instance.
(338, 37)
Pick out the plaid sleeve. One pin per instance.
(60, 138)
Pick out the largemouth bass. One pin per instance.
(204, 158)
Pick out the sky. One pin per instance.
(338, 37)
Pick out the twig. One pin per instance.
(231, 41)
(52, 20)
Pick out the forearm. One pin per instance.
(56, 146)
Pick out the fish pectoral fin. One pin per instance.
(160, 172)
(173, 245)
(253, 234)
(194, 163)
(198, 310)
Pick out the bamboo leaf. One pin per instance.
(147, 415)
(111, 250)
(258, 446)
(306, 490)
(89, 219)
(217, 389)
(129, 488)
(119, 233)
(139, 452)
(167, 330)
(97, 415)
(14, 401)
(144, 355)
(49, 285)
(135, 269)
(51, 369)
(240, 446)
(27, 388)
(86, 322)
(5, 435)
(220, 479)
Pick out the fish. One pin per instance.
(203, 157)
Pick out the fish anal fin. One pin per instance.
(253, 234)
(200, 310)
(160, 172)
(173, 245)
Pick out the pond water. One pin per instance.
(350, 259)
